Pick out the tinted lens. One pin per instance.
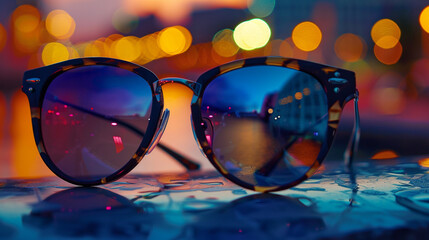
(93, 120)
(266, 124)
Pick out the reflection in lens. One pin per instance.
(93, 120)
(267, 123)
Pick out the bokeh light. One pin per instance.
(223, 43)
(149, 48)
(388, 56)
(388, 97)
(54, 52)
(350, 47)
(424, 19)
(3, 37)
(174, 40)
(124, 22)
(252, 34)
(385, 154)
(385, 33)
(26, 29)
(60, 24)
(261, 8)
(96, 49)
(26, 18)
(288, 49)
(424, 162)
(307, 36)
(420, 72)
(126, 48)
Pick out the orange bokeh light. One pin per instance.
(385, 154)
(26, 161)
(27, 30)
(307, 36)
(26, 18)
(350, 47)
(385, 33)
(3, 37)
(96, 48)
(288, 49)
(424, 19)
(60, 24)
(174, 40)
(388, 56)
(424, 162)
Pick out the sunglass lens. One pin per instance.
(267, 125)
(94, 119)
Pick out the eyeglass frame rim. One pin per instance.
(35, 89)
(43, 76)
(320, 72)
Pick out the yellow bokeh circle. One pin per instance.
(252, 34)
(174, 40)
(223, 43)
(60, 24)
(424, 19)
(127, 48)
(54, 52)
(307, 36)
(385, 33)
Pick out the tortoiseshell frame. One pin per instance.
(339, 86)
(35, 84)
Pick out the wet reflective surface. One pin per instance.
(389, 200)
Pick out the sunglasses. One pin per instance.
(265, 123)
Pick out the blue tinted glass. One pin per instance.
(266, 124)
(93, 120)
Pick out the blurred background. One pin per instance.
(385, 42)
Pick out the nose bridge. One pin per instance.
(194, 86)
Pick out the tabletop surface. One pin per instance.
(382, 199)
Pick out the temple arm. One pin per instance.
(354, 138)
(187, 163)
